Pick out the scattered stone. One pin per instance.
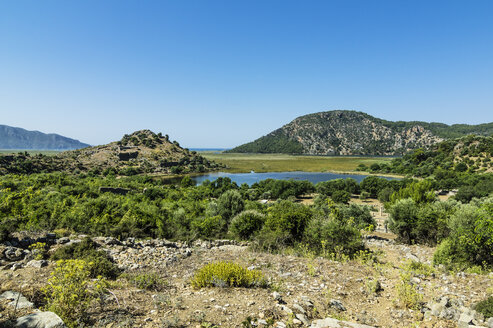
(302, 318)
(334, 323)
(18, 301)
(299, 308)
(16, 266)
(464, 320)
(285, 308)
(63, 240)
(276, 296)
(40, 320)
(412, 257)
(13, 253)
(337, 305)
(37, 263)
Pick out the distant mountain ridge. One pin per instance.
(344, 132)
(18, 138)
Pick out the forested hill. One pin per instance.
(17, 138)
(444, 160)
(342, 132)
(140, 152)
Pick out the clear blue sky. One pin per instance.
(221, 73)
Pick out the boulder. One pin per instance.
(40, 320)
(13, 253)
(37, 263)
(18, 301)
(334, 323)
(63, 240)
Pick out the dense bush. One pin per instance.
(403, 218)
(246, 224)
(328, 188)
(420, 192)
(470, 241)
(341, 196)
(485, 307)
(229, 204)
(227, 274)
(425, 223)
(283, 189)
(70, 292)
(98, 262)
(373, 185)
(284, 225)
(358, 216)
(147, 281)
(327, 236)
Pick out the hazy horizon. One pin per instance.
(221, 73)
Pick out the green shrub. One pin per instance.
(285, 223)
(471, 237)
(7, 226)
(97, 261)
(364, 195)
(485, 307)
(326, 236)
(359, 216)
(341, 196)
(419, 268)
(227, 274)
(229, 204)
(420, 192)
(246, 224)
(208, 227)
(39, 250)
(70, 292)
(407, 293)
(147, 281)
(384, 194)
(403, 217)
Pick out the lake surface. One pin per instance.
(251, 178)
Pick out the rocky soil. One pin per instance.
(304, 291)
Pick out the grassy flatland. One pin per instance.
(30, 151)
(238, 163)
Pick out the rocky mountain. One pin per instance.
(342, 132)
(140, 152)
(17, 138)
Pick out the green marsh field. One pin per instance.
(30, 151)
(239, 163)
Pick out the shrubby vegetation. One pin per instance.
(97, 261)
(485, 307)
(70, 291)
(470, 240)
(221, 209)
(227, 274)
(454, 164)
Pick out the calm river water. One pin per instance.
(251, 178)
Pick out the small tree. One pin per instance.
(341, 196)
(403, 217)
(247, 223)
(229, 204)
